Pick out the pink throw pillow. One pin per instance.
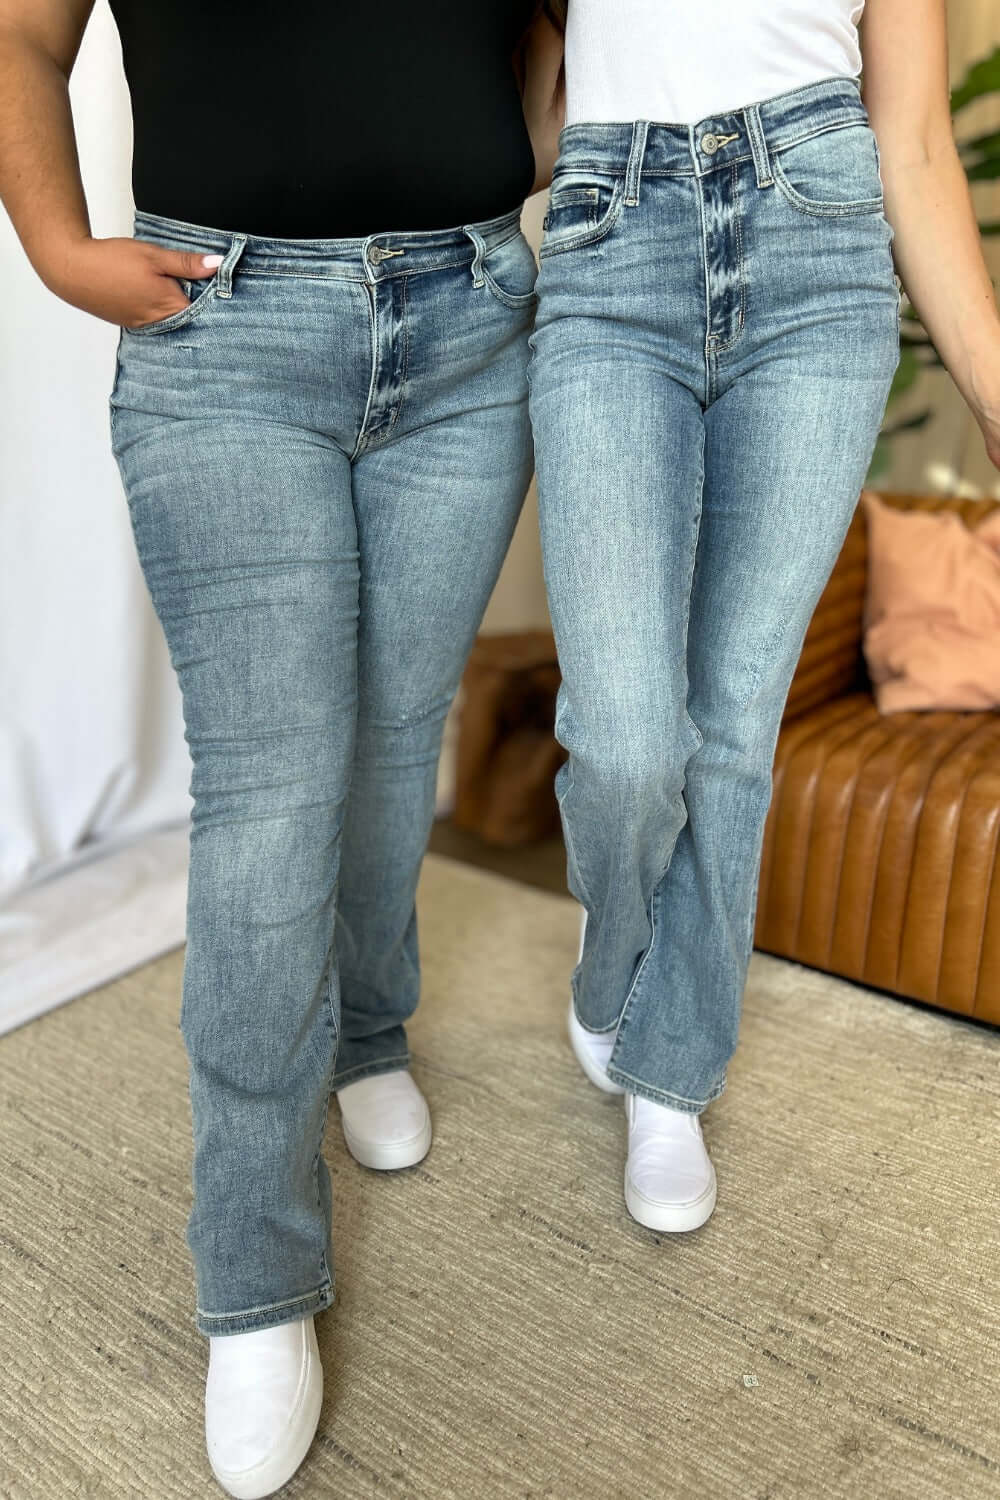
(932, 616)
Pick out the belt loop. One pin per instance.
(636, 156)
(224, 275)
(479, 257)
(758, 145)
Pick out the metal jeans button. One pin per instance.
(710, 144)
(377, 255)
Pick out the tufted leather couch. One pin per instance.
(881, 856)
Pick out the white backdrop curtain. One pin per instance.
(92, 754)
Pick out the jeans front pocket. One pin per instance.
(510, 271)
(831, 174)
(202, 294)
(198, 294)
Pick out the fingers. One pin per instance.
(190, 265)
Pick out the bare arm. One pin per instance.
(543, 95)
(122, 280)
(938, 250)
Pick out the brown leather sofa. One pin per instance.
(881, 856)
(881, 852)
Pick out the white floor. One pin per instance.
(82, 927)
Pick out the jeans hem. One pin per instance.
(664, 1096)
(369, 1069)
(269, 1315)
(592, 1030)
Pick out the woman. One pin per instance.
(320, 417)
(716, 337)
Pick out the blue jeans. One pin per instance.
(717, 332)
(324, 457)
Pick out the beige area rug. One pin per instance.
(503, 1330)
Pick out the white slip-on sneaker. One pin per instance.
(669, 1178)
(592, 1051)
(262, 1403)
(386, 1121)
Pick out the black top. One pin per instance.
(326, 118)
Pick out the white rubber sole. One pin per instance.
(389, 1158)
(594, 1072)
(670, 1218)
(267, 1477)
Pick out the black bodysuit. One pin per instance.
(324, 118)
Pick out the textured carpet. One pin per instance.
(503, 1330)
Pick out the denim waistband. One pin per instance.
(374, 258)
(649, 149)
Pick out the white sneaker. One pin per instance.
(262, 1403)
(669, 1179)
(386, 1121)
(593, 1051)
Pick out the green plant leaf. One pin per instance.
(911, 424)
(987, 144)
(881, 460)
(982, 78)
(984, 171)
(907, 373)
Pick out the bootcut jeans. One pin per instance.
(324, 456)
(717, 332)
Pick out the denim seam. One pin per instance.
(513, 301)
(304, 275)
(783, 143)
(720, 346)
(699, 190)
(361, 1070)
(179, 319)
(592, 236)
(362, 441)
(636, 986)
(328, 995)
(858, 208)
(330, 1075)
(405, 363)
(613, 168)
(664, 1096)
(568, 837)
(265, 1307)
(595, 1030)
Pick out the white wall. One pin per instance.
(91, 743)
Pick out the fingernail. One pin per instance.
(212, 260)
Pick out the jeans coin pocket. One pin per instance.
(581, 208)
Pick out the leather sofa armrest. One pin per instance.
(832, 663)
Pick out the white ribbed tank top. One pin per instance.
(681, 61)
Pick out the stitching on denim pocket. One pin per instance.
(557, 244)
(816, 208)
(182, 316)
(515, 301)
(856, 209)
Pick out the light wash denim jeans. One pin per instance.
(324, 458)
(717, 332)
